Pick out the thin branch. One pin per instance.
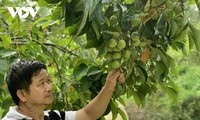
(64, 49)
(59, 73)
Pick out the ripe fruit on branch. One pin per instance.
(121, 44)
(113, 20)
(112, 43)
(126, 54)
(135, 22)
(116, 55)
(117, 49)
(115, 64)
(109, 56)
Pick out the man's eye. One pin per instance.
(41, 83)
(49, 81)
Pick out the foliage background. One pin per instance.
(160, 107)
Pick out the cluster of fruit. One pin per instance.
(117, 52)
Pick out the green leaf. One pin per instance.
(57, 13)
(96, 27)
(160, 55)
(7, 53)
(79, 6)
(70, 18)
(107, 110)
(53, 1)
(4, 66)
(121, 100)
(129, 1)
(141, 73)
(7, 102)
(45, 11)
(41, 22)
(92, 40)
(170, 91)
(129, 81)
(82, 22)
(37, 31)
(42, 3)
(114, 105)
(15, 25)
(85, 84)
(173, 28)
(142, 98)
(91, 6)
(160, 68)
(6, 40)
(173, 85)
(195, 35)
(135, 96)
(80, 71)
(122, 113)
(155, 3)
(120, 90)
(191, 41)
(94, 70)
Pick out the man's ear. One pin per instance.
(22, 95)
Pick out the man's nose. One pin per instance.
(48, 86)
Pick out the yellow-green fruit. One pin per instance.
(115, 64)
(116, 49)
(135, 22)
(134, 36)
(126, 54)
(113, 19)
(110, 49)
(112, 43)
(109, 56)
(116, 34)
(116, 55)
(121, 44)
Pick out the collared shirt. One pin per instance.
(13, 114)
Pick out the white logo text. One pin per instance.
(23, 12)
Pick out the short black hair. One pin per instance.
(20, 76)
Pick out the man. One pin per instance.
(30, 87)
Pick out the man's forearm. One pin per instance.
(98, 105)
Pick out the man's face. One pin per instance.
(40, 91)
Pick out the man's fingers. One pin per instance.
(114, 74)
(117, 74)
(121, 78)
